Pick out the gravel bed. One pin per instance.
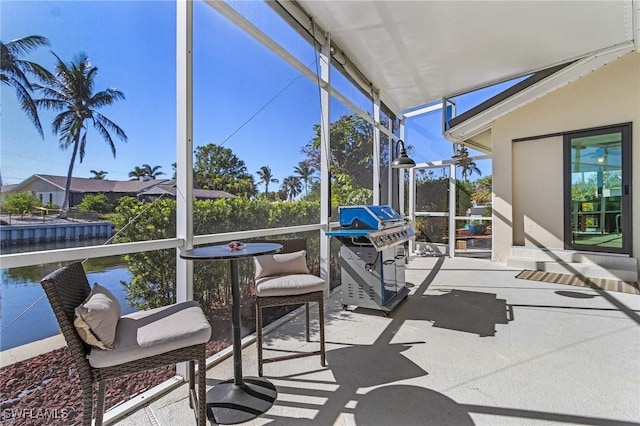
(45, 390)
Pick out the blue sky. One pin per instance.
(133, 46)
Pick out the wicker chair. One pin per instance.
(303, 289)
(67, 288)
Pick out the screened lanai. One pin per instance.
(421, 51)
(329, 86)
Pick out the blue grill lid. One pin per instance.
(367, 217)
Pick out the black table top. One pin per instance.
(222, 251)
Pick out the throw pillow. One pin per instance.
(281, 264)
(97, 318)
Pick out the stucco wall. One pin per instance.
(535, 218)
(45, 189)
(527, 176)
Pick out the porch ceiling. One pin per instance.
(417, 52)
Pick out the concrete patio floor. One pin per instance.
(471, 345)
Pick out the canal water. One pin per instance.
(20, 288)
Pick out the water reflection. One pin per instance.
(26, 315)
(50, 245)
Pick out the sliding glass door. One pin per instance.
(597, 189)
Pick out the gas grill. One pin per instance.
(377, 226)
(372, 256)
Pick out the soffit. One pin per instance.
(416, 52)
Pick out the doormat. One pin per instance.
(601, 283)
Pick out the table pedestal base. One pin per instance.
(228, 403)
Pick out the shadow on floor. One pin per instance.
(459, 310)
(409, 405)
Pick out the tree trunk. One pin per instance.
(67, 189)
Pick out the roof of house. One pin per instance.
(8, 188)
(83, 185)
(170, 189)
(138, 187)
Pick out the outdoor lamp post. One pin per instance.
(402, 161)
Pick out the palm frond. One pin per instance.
(83, 145)
(52, 103)
(29, 106)
(106, 98)
(14, 72)
(105, 135)
(64, 120)
(36, 69)
(24, 45)
(110, 125)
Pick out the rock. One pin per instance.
(50, 381)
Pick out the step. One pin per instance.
(607, 260)
(624, 272)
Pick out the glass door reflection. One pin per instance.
(597, 187)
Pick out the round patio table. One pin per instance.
(241, 398)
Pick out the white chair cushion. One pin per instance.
(281, 264)
(289, 285)
(155, 331)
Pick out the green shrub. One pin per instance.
(95, 203)
(153, 272)
(20, 202)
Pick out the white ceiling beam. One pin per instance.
(421, 111)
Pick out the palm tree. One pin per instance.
(306, 173)
(144, 171)
(152, 171)
(267, 177)
(468, 165)
(101, 175)
(291, 187)
(137, 173)
(470, 168)
(71, 91)
(14, 71)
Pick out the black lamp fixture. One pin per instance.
(402, 161)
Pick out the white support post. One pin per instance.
(390, 174)
(184, 160)
(412, 198)
(376, 148)
(401, 210)
(184, 143)
(452, 210)
(325, 179)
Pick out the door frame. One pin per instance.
(626, 201)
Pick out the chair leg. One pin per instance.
(192, 382)
(202, 390)
(306, 313)
(87, 403)
(323, 360)
(259, 336)
(100, 402)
